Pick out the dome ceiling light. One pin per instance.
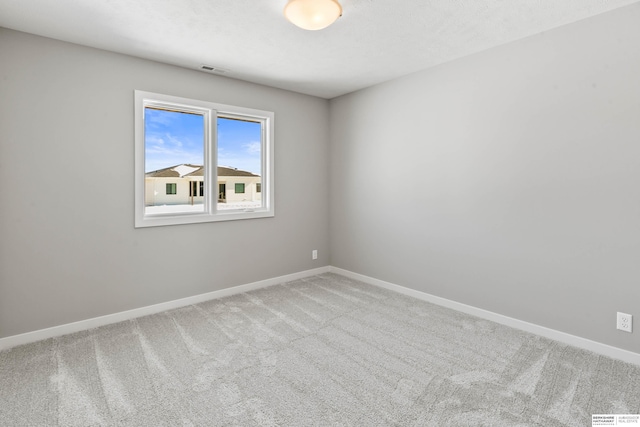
(312, 14)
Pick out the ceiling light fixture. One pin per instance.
(312, 14)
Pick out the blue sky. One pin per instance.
(172, 138)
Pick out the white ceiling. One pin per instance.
(374, 40)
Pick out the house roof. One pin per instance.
(228, 171)
(185, 169)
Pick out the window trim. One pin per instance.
(210, 111)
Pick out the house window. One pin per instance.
(185, 143)
(196, 189)
(258, 187)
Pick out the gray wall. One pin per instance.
(68, 248)
(508, 180)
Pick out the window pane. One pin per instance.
(239, 163)
(174, 159)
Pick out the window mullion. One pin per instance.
(211, 160)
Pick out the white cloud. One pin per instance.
(156, 117)
(166, 150)
(253, 147)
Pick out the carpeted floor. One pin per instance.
(321, 351)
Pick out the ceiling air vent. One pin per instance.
(212, 69)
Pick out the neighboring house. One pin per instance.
(184, 185)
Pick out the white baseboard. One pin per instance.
(95, 322)
(56, 331)
(594, 346)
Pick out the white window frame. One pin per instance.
(210, 111)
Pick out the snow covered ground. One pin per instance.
(163, 209)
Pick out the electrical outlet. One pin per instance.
(625, 322)
(314, 254)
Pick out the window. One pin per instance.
(193, 150)
(196, 189)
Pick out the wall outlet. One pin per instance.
(314, 254)
(625, 322)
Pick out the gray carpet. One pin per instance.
(321, 351)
